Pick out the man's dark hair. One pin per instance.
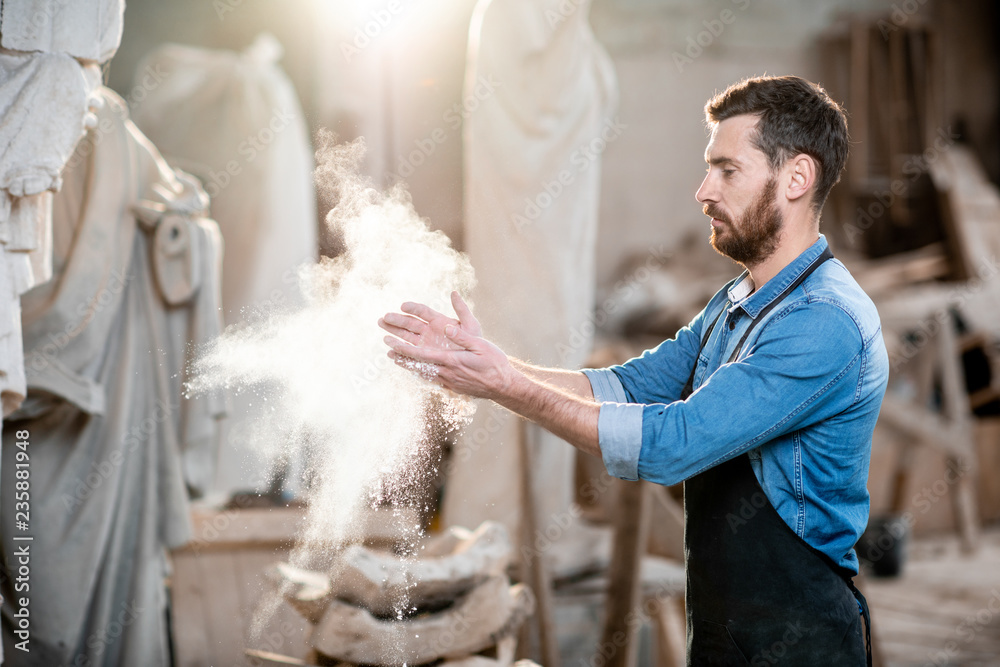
(796, 116)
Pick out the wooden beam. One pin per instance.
(534, 570)
(666, 530)
(921, 425)
(624, 574)
(244, 528)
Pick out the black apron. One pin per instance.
(757, 594)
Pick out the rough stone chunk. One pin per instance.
(477, 621)
(383, 583)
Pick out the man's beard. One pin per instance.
(755, 237)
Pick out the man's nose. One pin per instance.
(706, 192)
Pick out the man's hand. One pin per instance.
(466, 362)
(425, 327)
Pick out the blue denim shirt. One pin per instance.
(802, 398)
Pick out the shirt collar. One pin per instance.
(741, 294)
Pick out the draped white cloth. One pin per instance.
(135, 290)
(539, 93)
(234, 121)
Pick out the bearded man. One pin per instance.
(766, 400)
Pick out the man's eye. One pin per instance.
(728, 172)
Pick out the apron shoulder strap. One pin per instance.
(825, 255)
(689, 385)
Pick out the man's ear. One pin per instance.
(802, 172)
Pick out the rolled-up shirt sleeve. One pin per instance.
(606, 386)
(623, 390)
(619, 425)
(619, 429)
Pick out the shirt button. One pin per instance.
(732, 324)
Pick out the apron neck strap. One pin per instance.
(825, 255)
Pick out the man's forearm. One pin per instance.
(567, 415)
(572, 382)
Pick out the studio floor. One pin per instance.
(945, 607)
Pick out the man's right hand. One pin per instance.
(423, 326)
(467, 363)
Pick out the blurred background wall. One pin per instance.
(400, 84)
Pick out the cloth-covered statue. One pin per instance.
(532, 182)
(112, 445)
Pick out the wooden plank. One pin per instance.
(905, 463)
(668, 627)
(886, 275)
(921, 425)
(534, 570)
(882, 116)
(624, 584)
(858, 103)
(899, 118)
(273, 659)
(218, 577)
(242, 528)
(987, 436)
(187, 612)
(285, 631)
(961, 465)
(666, 531)
(970, 205)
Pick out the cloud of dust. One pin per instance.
(327, 392)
